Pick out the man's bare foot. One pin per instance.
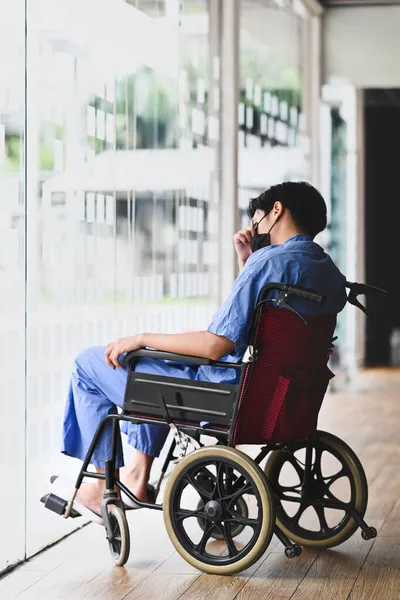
(90, 495)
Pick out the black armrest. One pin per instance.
(183, 358)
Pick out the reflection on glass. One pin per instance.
(272, 128)
(121, 160)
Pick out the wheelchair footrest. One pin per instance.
(57, 505)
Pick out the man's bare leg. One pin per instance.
(135, 476)
(91, 494)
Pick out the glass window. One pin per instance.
(120, 168)
(12, 282)
(272, 128)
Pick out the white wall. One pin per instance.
(362, 45)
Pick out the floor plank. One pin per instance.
(391, 526)
(111, 584)
(161, 586)
(18, 581)
(333, 573)
(63, 581)
(380, 575)
(55, 556)
(215, 587)
(278, 577)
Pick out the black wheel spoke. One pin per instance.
(291, 498)
(280, 491)
(246, 489)
(230, 480)
(115, 529)
(319, 509)
(219, 485)
(182, 513)
(316, 468)
(341, 505)
(296, 518)
(297, 467)
(201, 546)
(203, 493)
(233, 551)
(330, 479)
(290, 488)
(237, 518)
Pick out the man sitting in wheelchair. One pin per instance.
(278, 247)
(258, 376)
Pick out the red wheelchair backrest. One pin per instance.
(284, 386)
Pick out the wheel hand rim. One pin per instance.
(226, 523)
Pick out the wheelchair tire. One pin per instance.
(327, 536)
(217, 511)
(119, 543)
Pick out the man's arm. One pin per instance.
(197, 343)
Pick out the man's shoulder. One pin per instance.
(287, 251)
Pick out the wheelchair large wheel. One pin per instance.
(119, 540)
(234, 476)
(336, 476)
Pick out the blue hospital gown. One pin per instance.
(96, 390)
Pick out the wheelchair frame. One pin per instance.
(224, 436)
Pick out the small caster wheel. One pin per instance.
(290, 551)
(119, 541)
(298, 549)
(370, 534)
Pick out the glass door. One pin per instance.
(12, 282)
(119, 185)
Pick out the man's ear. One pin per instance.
(278, 209)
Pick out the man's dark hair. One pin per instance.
(306, 205)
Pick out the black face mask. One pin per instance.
(261, 240)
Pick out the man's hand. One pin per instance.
(115, 349)
(242, 241)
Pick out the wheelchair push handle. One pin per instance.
(292, 291)
(307, 295)
(362, 289)
(358, 289)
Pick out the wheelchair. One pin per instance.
(220, 507)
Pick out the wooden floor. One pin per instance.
(367, 417)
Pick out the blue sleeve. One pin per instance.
(233, 319)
